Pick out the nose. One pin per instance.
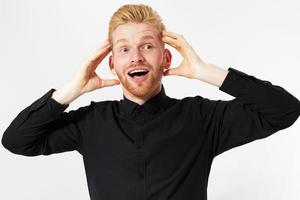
(137, 57)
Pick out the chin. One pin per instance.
(141, 91)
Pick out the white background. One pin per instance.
(43, 43)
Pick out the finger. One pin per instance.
(178, 45)
(104, 44)
(173, 42)
(172, 71)
(109, 82)
(176, 37)
(170, 34)
(100, 53)
(97, 57)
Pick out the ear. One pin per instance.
(167, 59)
(111, 65)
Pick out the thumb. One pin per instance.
(172, 71)
(109, 82)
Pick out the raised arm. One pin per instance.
(43, 127)
(192, 65)
(258, 110)
(86, 79)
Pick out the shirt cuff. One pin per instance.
(55, 106)
(234, 82)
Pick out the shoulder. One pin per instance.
(92, 108)
(200, 104)
(104, 103)
(193, 100)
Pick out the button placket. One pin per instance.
(141, 184)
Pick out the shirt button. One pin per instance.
(141, 176)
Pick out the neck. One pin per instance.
(141, 99)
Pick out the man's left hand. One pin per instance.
(191, 65)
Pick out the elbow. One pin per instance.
(289, 114)
(295, 111)
(5, 141)
(11, 143)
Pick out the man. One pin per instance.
(148, 145)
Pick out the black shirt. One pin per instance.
(160, 150)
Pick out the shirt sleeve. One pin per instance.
(258, 110)
(44, 128)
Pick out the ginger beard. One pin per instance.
(142, 88)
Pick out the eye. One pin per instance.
(124, 50)
(147, 46)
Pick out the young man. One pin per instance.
(148, 145)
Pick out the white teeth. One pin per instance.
(138, 70)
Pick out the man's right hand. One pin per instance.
(86, 79)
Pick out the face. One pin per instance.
(138, 59)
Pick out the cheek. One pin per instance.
(156, 59)
(119, 63)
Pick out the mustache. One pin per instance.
(138, 65)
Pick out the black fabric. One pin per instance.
(160, 150)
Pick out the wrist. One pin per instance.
(65, 94)
(58, 97)
(212, 74)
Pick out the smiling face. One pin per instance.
(138, 59)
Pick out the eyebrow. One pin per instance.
(146, 37)
(121, 40)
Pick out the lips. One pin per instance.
(138, 74)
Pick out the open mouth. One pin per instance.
(138, 73)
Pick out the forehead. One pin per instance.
(132, 32)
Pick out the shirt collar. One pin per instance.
(152, 106)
